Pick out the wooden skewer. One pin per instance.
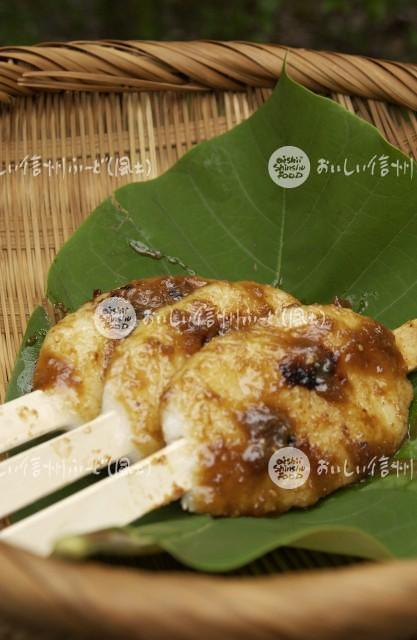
(406, 339)
(151, 483)
(32, 416)
(50, 466)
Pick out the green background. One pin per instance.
(380, 28)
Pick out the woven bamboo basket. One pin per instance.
(152, 101)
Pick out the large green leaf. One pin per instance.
(218, 213)
(353, 522)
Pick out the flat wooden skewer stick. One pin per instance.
(406, 339)
(30, 417)
(146, 485)
(159, 479)
(52, 465)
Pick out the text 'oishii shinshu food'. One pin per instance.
(232, 370)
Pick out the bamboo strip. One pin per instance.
(195, 66)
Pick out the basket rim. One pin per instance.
(372, 600)
(200, 65)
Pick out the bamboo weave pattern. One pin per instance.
(141, 106)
